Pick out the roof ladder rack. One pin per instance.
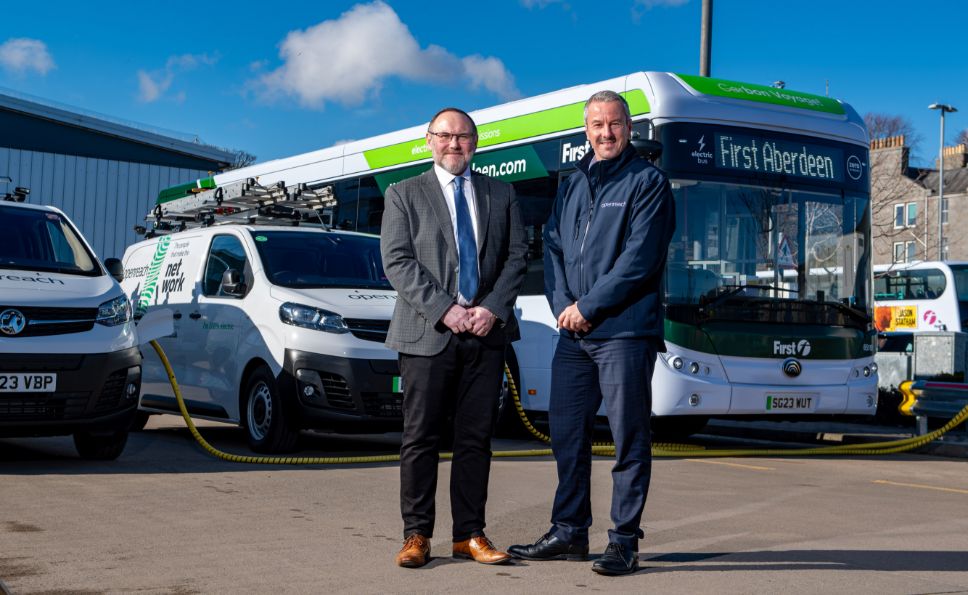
(244, 202)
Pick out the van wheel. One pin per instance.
(100, 447)
(139, 420)
(269, 429)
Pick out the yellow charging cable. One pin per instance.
(603, 449)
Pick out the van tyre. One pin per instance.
(139, 420)
(268, 427)
(100, 447)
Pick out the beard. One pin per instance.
(453, 163)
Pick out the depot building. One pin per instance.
(104, 174)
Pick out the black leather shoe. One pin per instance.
(550, 547)
(617, 559)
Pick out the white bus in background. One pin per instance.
(921, 296)
(771, 187)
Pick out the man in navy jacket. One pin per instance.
(605, 253)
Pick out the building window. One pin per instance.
(905, 215)
(944, 247)
(905, 251)
(911, 251)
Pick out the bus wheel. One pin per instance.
(100, 447)
(675, 428)
(268, 428)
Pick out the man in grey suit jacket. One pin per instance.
(454, 248)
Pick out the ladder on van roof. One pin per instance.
(245, 202)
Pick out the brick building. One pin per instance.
(904, 205)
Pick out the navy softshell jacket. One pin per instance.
(605, 246)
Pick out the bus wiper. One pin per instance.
(732, 290)
(850, 311)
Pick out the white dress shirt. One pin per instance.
(446, 180)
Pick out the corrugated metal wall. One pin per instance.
(105, 199)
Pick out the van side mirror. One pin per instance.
(115, 268)
(232, 283)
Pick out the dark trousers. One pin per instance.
(584, 372)
(464, 378)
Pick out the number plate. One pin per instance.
(397, 384)
(797, 402)
(28, 382)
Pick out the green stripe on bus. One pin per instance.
(510, 165)
(761, 93)
(557, 119)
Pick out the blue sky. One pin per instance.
(281, 78)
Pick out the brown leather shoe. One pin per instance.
(480, 549)
(415, 551)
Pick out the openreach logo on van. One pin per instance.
(800, 348)
(151, 282)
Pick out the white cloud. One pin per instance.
(539, 3)
(20, 55)
(640, 7)
(152, 85)
(150, 89)
(649, 4)
(348, 59)
(490, 74)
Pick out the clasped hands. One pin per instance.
(572, 320)
(475, 320)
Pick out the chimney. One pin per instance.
(889, 156)
(955, 157)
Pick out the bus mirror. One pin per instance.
(647, 148)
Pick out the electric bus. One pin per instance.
(768, 278)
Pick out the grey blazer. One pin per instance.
(420, 260)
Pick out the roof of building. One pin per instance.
(65, 115)
(955, 180)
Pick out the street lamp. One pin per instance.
(944, 109)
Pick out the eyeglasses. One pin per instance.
(445, 137)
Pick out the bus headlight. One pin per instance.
(114, 312)
(677, 362)
(314, 318)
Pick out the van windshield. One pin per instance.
(311, 259)
(34, 240)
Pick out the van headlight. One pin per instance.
(314, 318)
(114, 312)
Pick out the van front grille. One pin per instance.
(368, 330)
(337, 391)
(44, 322)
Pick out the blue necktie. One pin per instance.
(466, 245)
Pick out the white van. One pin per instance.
(276, 329)
(69, 357)
(921, 296)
